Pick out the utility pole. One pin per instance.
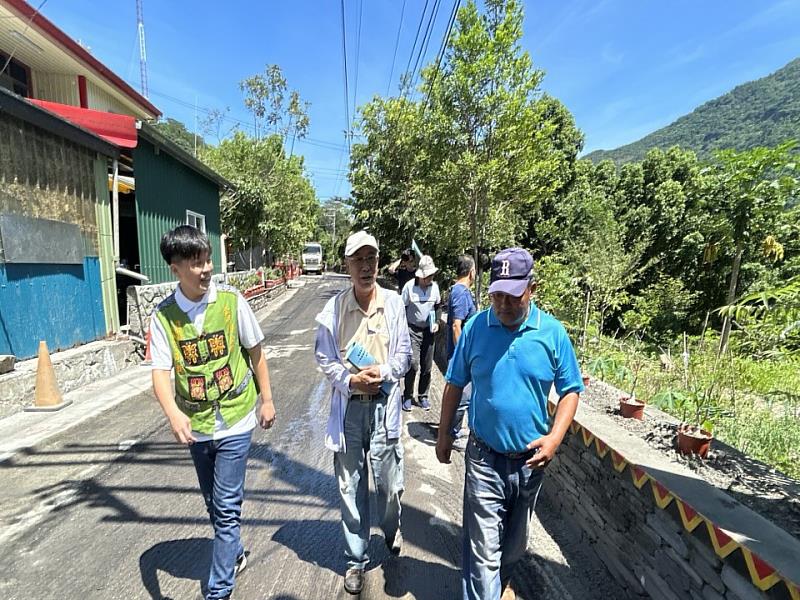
(142, 50)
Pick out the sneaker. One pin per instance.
(241, 563)
(407, 404)
(354, 581)
(508, 593)
(424, 404)
(396, 544)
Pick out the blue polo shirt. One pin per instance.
(511, 374)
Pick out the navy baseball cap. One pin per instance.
(512, 270)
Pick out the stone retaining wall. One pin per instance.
(98, 360)
(74, 368)
(143, 299)
(661, 531)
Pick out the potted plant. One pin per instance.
(694, 434)
(629, 405)
(699, 409)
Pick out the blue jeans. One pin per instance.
(365, 434)
(499, 497)
(220, 466)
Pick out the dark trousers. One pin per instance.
(421, 360)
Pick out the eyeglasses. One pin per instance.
(500, 298)
(370, 260)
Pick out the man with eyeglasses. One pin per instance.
(365, 419)
(512, 353)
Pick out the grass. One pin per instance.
(753, 405)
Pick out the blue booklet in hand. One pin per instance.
(431, 320)
(360, 358)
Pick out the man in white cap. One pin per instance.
(513, 353)
(365, 419)
(422, 299)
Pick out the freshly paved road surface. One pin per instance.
(110, 508)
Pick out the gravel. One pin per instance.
(758, 486)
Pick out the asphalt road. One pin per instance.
(111, 509)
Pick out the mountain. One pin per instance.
(764, 112)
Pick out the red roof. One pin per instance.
(71, 46)
(120, 130)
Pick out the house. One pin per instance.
(149, 184)
(55, 224)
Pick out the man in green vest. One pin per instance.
(210, 336)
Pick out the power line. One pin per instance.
(27, 25)
(358, 51)
(346, 90)
(423, 49)
(244, 124)
(416, 36)
(442, 49)
(396, 43)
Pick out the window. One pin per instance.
(196, 220)
(16, 76)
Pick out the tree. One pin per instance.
(753, 189)
(333, 227)
(177, 132)
(273, 203)
(464, 167)
(273, 106)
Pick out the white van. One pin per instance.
(312, 258)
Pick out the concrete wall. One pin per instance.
(662, 532)
(143, 299)
(74, 368)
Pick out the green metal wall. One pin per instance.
(165, 190)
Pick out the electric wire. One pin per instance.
(27, 26)
(442, 49)
(416, 36)
(358, 51)
(396, 44)
(346, 90)
(423, 49)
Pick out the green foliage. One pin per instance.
(764, 112)
(476, 156)
(334, 224)
(274, 107)
(273, 202)
(177, 132)
(662, 308)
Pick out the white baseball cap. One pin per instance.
(358, 240)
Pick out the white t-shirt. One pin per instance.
(250, 335)
(420, 302)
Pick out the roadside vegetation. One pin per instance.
(639, 258)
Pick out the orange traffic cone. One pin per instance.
(48, 397)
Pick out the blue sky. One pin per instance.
(622, 67)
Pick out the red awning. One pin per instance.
(120, 130)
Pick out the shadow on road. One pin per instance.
(424, 432)
(171, 557)
(289, 499)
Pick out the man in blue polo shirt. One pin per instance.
(512, 353)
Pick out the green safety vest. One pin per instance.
(211, 369)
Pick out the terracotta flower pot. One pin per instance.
(631, 408)
(693, 440)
